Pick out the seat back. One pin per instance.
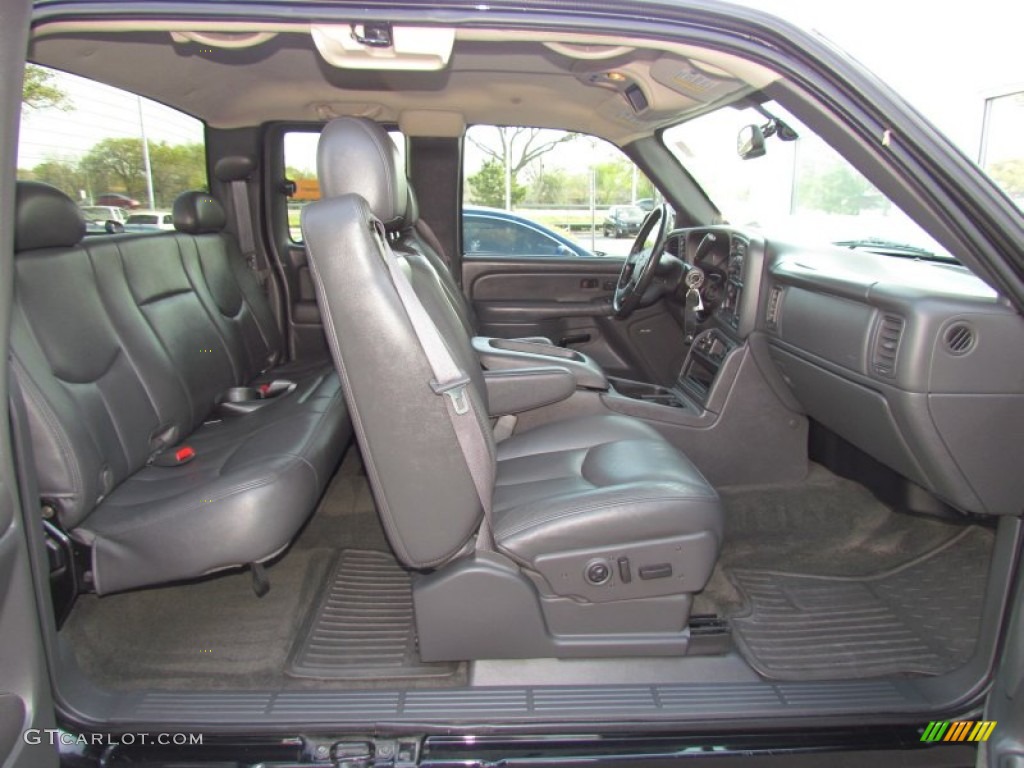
(93, 420)
(411, 239)
(422, 485)
(229, 288)
(124, 344)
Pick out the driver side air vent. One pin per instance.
(959, 339)
(887, 345)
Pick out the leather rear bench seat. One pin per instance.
(123, 347)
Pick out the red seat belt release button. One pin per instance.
(184, 454)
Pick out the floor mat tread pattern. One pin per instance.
(919, 618)
(363, 626)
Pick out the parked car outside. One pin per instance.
(149, 220)
(493, 232)
(622, 220)
(103, 219)
(645, 204)
(118, 200)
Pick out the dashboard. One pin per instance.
(919, 364)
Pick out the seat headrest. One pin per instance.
(356, 156)
(234, 168)
(44, 217)
(198, 213)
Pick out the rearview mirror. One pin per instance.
(750, 142)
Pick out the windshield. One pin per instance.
(799, 190)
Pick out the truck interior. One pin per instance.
(326, 468)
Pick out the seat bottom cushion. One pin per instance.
(596, 482)
(253, 482)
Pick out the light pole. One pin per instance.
(145, 157)
(593, 209)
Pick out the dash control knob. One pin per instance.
(597, 572)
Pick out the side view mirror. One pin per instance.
(113, 227)
(750, 142)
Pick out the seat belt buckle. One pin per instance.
(456, 392)
(183, 454)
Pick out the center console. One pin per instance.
(702, 365)
(693, 387)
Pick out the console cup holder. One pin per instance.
(652, 393)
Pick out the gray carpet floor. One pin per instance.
(821, 580)
(215, 634)
(824, 526)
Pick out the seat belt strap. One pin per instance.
(449, 382)
(246, 237)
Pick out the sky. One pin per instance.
(99, 111)
(945, 59)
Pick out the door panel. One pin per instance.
(25, 698)
(1005, 705)
(570, 301)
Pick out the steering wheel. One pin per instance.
(642, 261)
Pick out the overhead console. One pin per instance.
(916, 363)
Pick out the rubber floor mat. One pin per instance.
(363, 625)
(920, 618)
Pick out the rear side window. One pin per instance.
(112, 151)
(300, 168)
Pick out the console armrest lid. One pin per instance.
(509, 354)
(523, 389)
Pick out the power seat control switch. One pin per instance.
(598, 572)
(659, 571)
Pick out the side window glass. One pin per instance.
(110, 150)
(556, 190)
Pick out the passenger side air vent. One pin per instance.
(959, 339)
(887, 345)
(771, 315)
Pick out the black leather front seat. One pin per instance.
(600, 531)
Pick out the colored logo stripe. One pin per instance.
(934, 731)
(961, 730)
